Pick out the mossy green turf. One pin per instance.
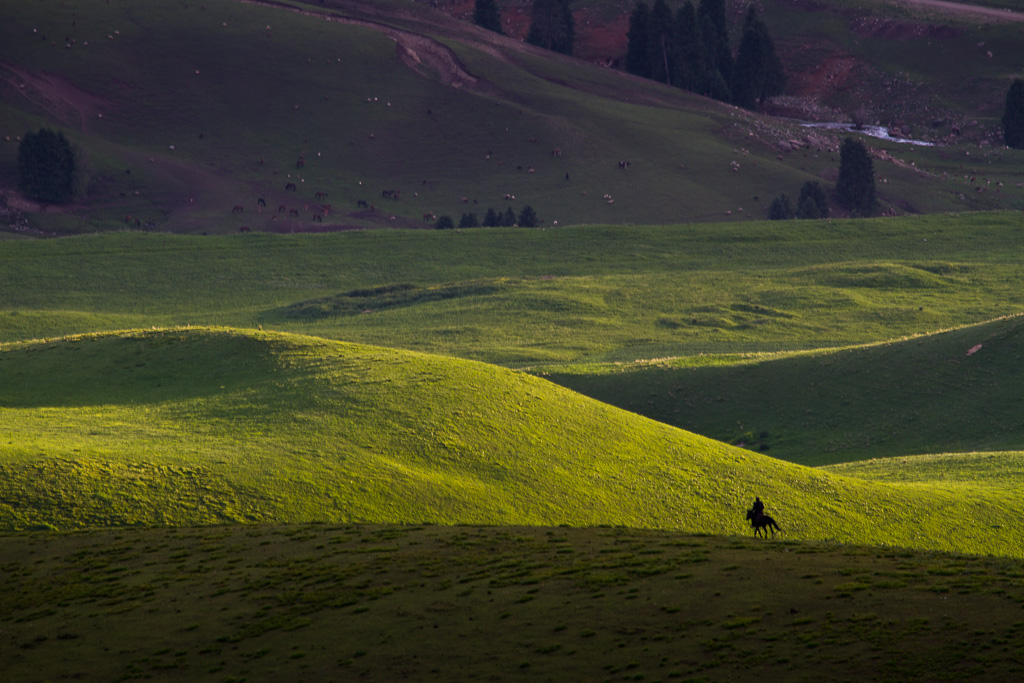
(537, 297)
(243, 104)
(199, 426)
(955, 391)
(344, 602)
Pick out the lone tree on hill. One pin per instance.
(1013, 117)
(486, 14)
(552, 26)
(48, 169)
(856, 184)
(638, 59)
(528, 217)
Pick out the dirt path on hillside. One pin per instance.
(55, 95)
(420, 53)
(962, 10)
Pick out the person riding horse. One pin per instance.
(758, 508)
(760, 521)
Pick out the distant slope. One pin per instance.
(959, 390)
(347, 101)
(201, 426)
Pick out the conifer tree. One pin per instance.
(552, 26)
(856, 184)
(638, 60)
(486, 14)
(757, 73)
(687, 60)
(714, 38)
(48, 169)
(661, 42)
(1013, 116)
(813, 202)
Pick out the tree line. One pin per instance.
(690, 50)
(552, 26)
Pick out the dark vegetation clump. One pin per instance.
(552, 26)
(781, 209)
(856, 184)
(486, 15)
(49, 169)
(813, 202)
(444, 223)
(469, 220)
(1013, 117)
(690, 50)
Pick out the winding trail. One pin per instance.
(963, 10)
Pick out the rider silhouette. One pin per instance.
(758, 508)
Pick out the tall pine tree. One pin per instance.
(638, 59)
(661, 42)
(856, 184)
(714, 38)
(47, 167)
(1013, 117)
(552, 26)
(687, 60)
(485, 14)
(757, 73)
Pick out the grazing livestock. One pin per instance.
(293, 212)
(429, 216)
(362, 204)
(321, 195)
(623, 165)
(244, 228)
(317, 218)
(261, 202)
(290, 187)
(300, 163)
(326, 208)
(556, 152)
(387, 194)
(237, 209)
(281, 208)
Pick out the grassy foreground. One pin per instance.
(330, 602)
(206, 426)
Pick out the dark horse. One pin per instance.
(762, 521)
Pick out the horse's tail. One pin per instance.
(772, 522)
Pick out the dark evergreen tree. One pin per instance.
(714, 38)
(485, 14)
(507, 219)
(661, 42)
(757, 72)
(1013, 117)
(552, 26)
(687, 61)
(469, 220)
(813, 202)
(491, 219)
(781, 209)
(856, 184)
(528, 217)
(444, 223)
(47, 167)
(638, 58)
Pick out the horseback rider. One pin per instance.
(758, 508)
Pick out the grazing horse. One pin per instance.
(321, 195)
(300, 163)
(293, 212)
(237, 209)
(760, 521)
(362, 204)
(261, 202)
(387, 193)
(244, 228)
(290, 187)
(317, 218)
(623, 165)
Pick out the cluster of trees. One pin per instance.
(551, 24)
(493, 219)
(813, 203)
(690, 50)
(1013, 116)
(855, 188)
(50, 169)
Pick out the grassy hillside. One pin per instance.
(954, 391)
(200, 426)
(540, 297)
(396, 96)
(330, 602)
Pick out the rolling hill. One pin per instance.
(349, 100)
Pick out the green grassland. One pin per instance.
(177, 138)
(536, 297)
(340, 602)
(955, 391)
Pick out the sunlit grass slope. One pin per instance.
(959, 390)
(200, 426)
(531, 297)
